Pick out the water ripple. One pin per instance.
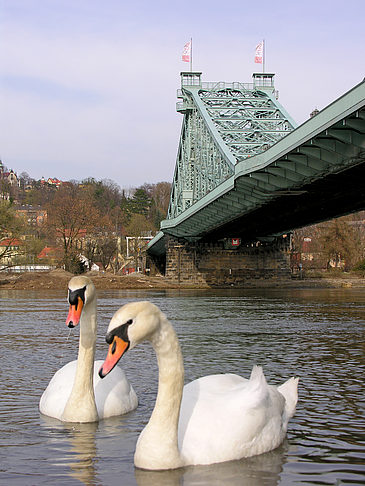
(315, 335)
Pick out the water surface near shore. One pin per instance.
(314, 334)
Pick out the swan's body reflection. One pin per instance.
(82, 459)
(83, 447)
(82, 454)
(263, 470)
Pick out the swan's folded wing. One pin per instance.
(55, 396)
(223, 417)
(114, 395)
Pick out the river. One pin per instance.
(317, 335)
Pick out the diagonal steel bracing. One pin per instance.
(224, 123)
(314, 173)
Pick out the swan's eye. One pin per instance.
(130, 321)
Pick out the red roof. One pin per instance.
(48, 251)
(11, 242)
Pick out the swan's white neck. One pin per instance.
(81, 406)
(157, 446)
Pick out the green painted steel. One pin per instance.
(224, 124)
(328, 145)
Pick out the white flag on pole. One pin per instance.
(259, 53)
(186, 55)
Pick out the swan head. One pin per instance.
(131, 324)
(81, 290)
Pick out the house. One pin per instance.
(50, 253)
(54, 182)
(10, 250)
(10, 177)
(33, 215)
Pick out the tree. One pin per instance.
(106, 194)
(139, 226)
(70, 217)
(10, 229)
(140, 202)
(5, 189)
(160, 193)
(107, 248)
(341, 243)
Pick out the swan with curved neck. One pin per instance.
(76, 393)
(213, 419)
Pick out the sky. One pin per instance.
(88, 87)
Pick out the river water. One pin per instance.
(317, 335)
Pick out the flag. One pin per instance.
(259, 53)
(186, 55)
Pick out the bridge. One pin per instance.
(246, 173)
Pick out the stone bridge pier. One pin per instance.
(227, 262)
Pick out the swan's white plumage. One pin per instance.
(113, 397)
(213, 419)
(76, 393)
(227, 417)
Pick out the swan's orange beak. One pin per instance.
(74, 313)
(116, 350)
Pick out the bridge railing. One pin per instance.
(223, 85)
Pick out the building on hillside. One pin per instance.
(50, 254)
(11, 249)
(33, 215)
(10, 177)
(54, 182)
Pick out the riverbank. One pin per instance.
(58, 280)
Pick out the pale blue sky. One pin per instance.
(88, 87)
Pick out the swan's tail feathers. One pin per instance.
(289, 390)
(257, 373)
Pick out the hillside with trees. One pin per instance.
(86, 217)
(54, 222)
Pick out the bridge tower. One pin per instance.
(244, 178)
(224, 123)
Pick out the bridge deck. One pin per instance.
(315, 173)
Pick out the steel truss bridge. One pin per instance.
(245, 170)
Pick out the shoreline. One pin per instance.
(58, 280)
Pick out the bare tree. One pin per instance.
(71, 216)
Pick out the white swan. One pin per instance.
(221, 418)
(76, 392)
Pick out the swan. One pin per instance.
(213, 419)
(76, 393)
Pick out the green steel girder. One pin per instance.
(321, 151)
(348, 136)
(299, 169)
(357, 124)
(223, 124)
(286, 173)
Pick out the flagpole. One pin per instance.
(191, 54)
(263, 55)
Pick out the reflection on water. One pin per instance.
(82, 454)
(82, 457)
(317, 335)
(253, 471)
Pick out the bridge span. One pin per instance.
(246, 173)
